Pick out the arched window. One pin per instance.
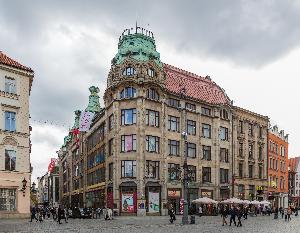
(128, 92)
(128, 71)
(152, 94)
(150, 72)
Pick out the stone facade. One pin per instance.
(132, 157)
(15, 85)
(250, 143)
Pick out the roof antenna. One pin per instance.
(136, 27)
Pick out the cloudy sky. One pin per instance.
(250, 48)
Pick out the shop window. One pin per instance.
(173, 147)
(152, 143)
(128, 116)
(152, 169)
(152, 118)
(128, 143)
(128, 168)
(7, 199)
(173, 123)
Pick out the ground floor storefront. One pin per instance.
(14, 195)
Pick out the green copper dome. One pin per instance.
(139, 44)
(94, 105)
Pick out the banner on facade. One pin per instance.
(153, 203)
(127, 202)
(85, 121)
(181, 205)
(51, 165)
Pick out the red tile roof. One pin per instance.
(5, 60)
(196, 87)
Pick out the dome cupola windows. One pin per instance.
(152, 94)
(129, 71)
(128, 92)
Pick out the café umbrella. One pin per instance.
(233, 200)
(204, 200)
(255, 202)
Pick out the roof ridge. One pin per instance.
(190, 74)
(8, 61)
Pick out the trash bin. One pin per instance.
(192, 219)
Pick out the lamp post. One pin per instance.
(185, 166)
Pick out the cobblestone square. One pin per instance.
(261, 224)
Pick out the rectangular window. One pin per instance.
(174, 103)
(206, 152)
(152, 118)
(128, 143)
(173, 147)
(241, 127)
(206, 111)
(10, 160)
(174, 171)
(250, 151)
(260, 150)
(190, 106)
(260, 172)
(250, 171)
(190, 150)
(110, 147)
(10, 121)
(250, 132)
(224, 155)
(191, 173)
(260, 132)
(111, 122)
(7, 199)
(240, 170)
(10, 85)
(128, 168)
(191, 127)
(173, 123)
(206, 174)
(206, 131)
(110, 171)
(223, 175)
(128, 116)
(241, 149)
(152, 143)
(152, 169)
(224, 133)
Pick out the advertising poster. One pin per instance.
(153, 202)
(85, 121)
(127, 202)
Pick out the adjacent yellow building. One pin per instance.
(15, 169)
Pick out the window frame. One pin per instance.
(157, 142)
(206, 170)
(124, 118)
(208, 129)
(133, 143)
(174, 144)
(133, 168)
(191, 127)
(156, 118)
(173, 120)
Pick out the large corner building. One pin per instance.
(131, 159)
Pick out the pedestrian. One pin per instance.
(33, 214)
(98, 212)
(66, 214)
(239, 215)
(246, 212)
(232, 213)
(60, 213)
(276, 212)
(285, 213)
(296, 211)
(223, 212)
(289, 212)
(200, 211)
(172, 214)
(40, 214)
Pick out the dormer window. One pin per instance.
(152, 94)
(150, 72)
(128, 92)
(129, 71)
(224, 114)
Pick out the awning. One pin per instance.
(128, 184)
(152, 184)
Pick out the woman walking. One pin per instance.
(289, 212)
(224, 215)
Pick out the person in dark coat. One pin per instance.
(246, 212)
(239, 215)
(60, 214)
(172, 214)
(223, 212)
(232, 213)
(33, 214)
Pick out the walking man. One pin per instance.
(289, 212)
(33, 214)
(60, 213)
(239, 215)
(224, 215)
(232, 213)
